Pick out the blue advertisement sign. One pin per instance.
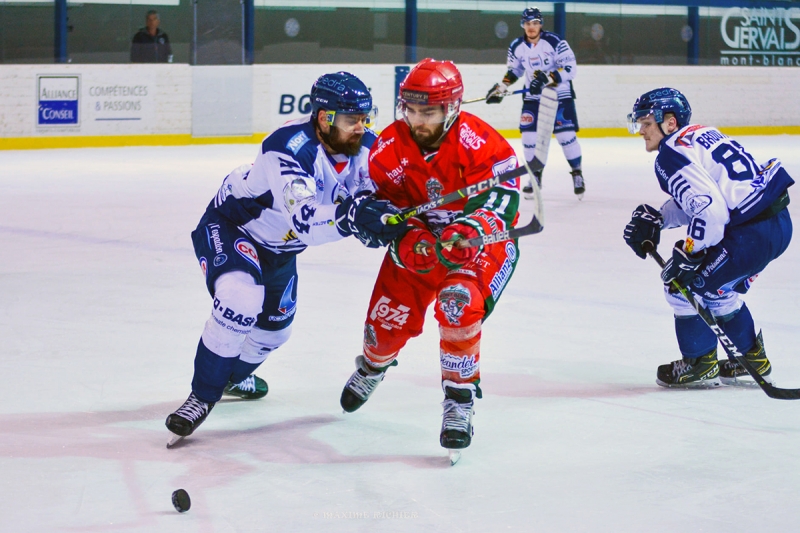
(58, 100)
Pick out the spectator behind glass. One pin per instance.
(150, 44)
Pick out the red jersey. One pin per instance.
(471, 152)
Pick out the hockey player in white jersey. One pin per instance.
(737, 223)
(545, 59)
(309, 185)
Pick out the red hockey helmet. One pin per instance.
(433, 82)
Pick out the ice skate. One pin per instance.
(731, 373)
(579, 187)
(361, 384)
(456, 421)
(187, 418)
(701, 372)
(527, 190)
(250, 388)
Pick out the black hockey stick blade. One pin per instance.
(463, 192)
(731, 350)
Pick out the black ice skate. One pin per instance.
(250, 388)
(731, 373)
(361, 384)
(187, 418)
(700, 372)
(527, 190)
(578, 185)
(456, 419)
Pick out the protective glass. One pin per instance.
(633, 119)
(349, 122)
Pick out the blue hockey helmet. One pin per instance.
(340, 92)
(531, 13)
(659, 102)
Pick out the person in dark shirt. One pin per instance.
(150, 44)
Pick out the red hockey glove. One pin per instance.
(447, 248)
(415, 251)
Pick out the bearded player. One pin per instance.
(432, 151)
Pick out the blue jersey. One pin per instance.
(713, 182)
(287, 199)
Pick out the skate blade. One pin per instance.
(174, 440)
(699, 385)
(454, 456)
(528, 196)
(579, 196)
(745, 382)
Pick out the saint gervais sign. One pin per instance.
(760, 36)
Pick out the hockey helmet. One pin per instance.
(531, 13)
(659, 102)
(433, 82)
(341, 93)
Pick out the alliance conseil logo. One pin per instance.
(58, 98)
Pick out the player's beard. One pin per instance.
(426, 140)
(336, 140)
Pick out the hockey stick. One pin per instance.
(472, 101)
(730, 348)
(548, 107)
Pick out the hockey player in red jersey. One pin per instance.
(434, 150)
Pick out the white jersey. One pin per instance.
(713, 182)
(549, 54)
(288, 199)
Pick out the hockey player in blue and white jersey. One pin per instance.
(309, 185)
(737, 223)
(545, 59)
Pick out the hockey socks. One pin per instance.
(211, 373)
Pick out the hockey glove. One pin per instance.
(645, 226)
(555, 76)
(415, 251)
(360, 215)
(683, 266)
(496, 94)
(540, 79)
(450, 255)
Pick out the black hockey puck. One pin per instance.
(181, 501)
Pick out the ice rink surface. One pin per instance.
(103, 303)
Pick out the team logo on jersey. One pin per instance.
(526, 119)
(452, 301)
(434, 188)
(297, 142)
(288, 304)
(204, 266)
(469, 138)
(698, 203)
(535, 61)
(465, 366)
(370, 337)
(248, 251)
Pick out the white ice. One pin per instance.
(103, 303)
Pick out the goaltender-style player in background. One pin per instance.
(434, 150)
(737, 223)
(543, 58)
(308, 186)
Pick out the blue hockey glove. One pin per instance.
(683, 266)
(645, 226)
(361, 215)
(540, 79)
(496, 94)
(555, 76)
